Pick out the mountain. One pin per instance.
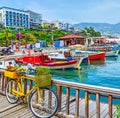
(104, 28)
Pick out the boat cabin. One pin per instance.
(61, 55)
(5, 62)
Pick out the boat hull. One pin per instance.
(112, 53)
(96, 56)
(39, 61)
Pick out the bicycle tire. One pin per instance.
(11, 97)
(44, 110)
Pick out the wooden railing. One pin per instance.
(64, 91)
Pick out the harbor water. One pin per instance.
(105, 73)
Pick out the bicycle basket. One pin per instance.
(10, 74)
(43, 80)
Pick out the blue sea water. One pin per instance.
(105, 73)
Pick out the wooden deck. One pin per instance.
(21, 110)
(69, 106)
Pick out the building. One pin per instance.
(62, 25)
(58, 24)
(11, 17)
(72, 40)
(46, 23)
(35, 19)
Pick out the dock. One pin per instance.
(22, 110)
(70, 106)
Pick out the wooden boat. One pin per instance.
(45, 61)
(97, 56)
(90, 55)
(112, 53)
(66, 54)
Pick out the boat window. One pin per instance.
(56, 55)
(10, 62)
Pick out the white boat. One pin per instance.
(61, 55)
(64, 55)
(5, 62)
(112, 53)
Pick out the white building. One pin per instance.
(58, 24)
(46, 23)
(62, 25)
(35, 19)
(11, 17)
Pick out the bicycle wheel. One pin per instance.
(49, 105)
(11, 97)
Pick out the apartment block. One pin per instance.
(11, 17)
(35, 19)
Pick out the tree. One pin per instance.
(90, 32)
(7, 30)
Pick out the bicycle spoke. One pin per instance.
(46, 109)
(11, 97)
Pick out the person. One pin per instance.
(31, 46)
(23, 51)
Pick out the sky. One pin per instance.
(71, 11)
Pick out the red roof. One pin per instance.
(72, 36)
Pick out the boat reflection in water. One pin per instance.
(70, 75)
(112, 59)
(96, 62)
(93, 62)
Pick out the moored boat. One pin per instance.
(97, 56)
(45, 61)
(90, 55)
(112, 53)
(5, 62)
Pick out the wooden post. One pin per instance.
(110, 106)
(59, 93)
(86, 104)
(77, 103)
(25, 86)
(31, 81)
(98, 105)
(67, 100)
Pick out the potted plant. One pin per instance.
(43, 76)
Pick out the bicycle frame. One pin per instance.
(21, 91)
(41, 101)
